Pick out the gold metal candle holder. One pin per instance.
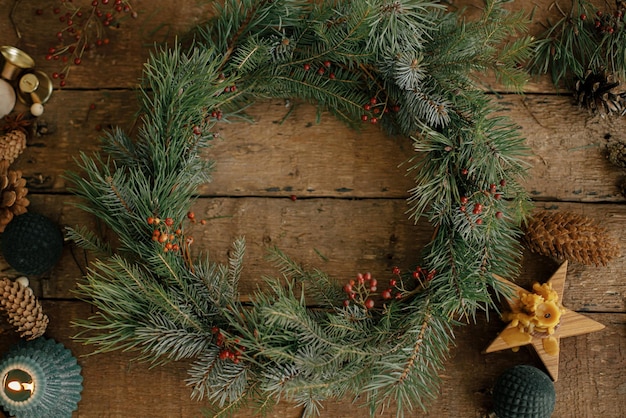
(15, 61)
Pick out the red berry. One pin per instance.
(369, 304)
(197, 130)
(169, 221)
(364, 118)
(48, 57)
(499, 215)
(92, 106)
(327, 64)
(331, 76)
(502, 182)
(347, 288)
(360, 279)
(392, 282)
(395, 108)
(62, 83)
(150, 220)
(293, 197)
(321, 71)
(307, 67)
(492, 188)
(55, 75)
(597, 23)
(94, 3)
(386, 294)
(374, 120)
(497, 196)
(478, 208)
(395, 271)
(346, 303)
(583, 16)
(373, 100)
(610, 30)
(367, 106)
(599, 13)
(56, 10)
(479, 221)
(191, 215)
(373, 282)
(463, 208)
(464, 200)
(367, 276)
(77, 61)
(464, 171)
(105, 1)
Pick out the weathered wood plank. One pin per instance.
(117, 386)
(354, 236)
(568, 149)
(306, 159)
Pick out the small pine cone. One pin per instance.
(12, 144)
(13, 193)
(616, 153)
(567, 235)
(600, 92)
(24, 311)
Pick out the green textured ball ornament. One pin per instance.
(523, 392)
(32, 243)
(40, 379)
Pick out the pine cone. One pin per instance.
(13, 193)
(566, 235)
(24, 311)
(12, 144)
(598, 92)
(616, 153)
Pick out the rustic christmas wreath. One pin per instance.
(409, 65)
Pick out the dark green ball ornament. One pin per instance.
(523, 392)
(32, 243)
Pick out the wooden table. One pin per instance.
(351, 189)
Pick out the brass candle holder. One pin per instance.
(15, 61)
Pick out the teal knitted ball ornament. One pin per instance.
(40, 379)
(523, 392)
(32, 243)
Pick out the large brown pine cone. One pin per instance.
(570, 236)
(24, 311)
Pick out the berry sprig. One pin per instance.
(171, 236)
(229, 349)
(482, 203)
(360, 291)
(376, 109)
(608, 22)
(83, 28)
(401, 289)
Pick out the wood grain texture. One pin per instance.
(300, 157)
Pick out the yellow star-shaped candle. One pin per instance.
(546, 346)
